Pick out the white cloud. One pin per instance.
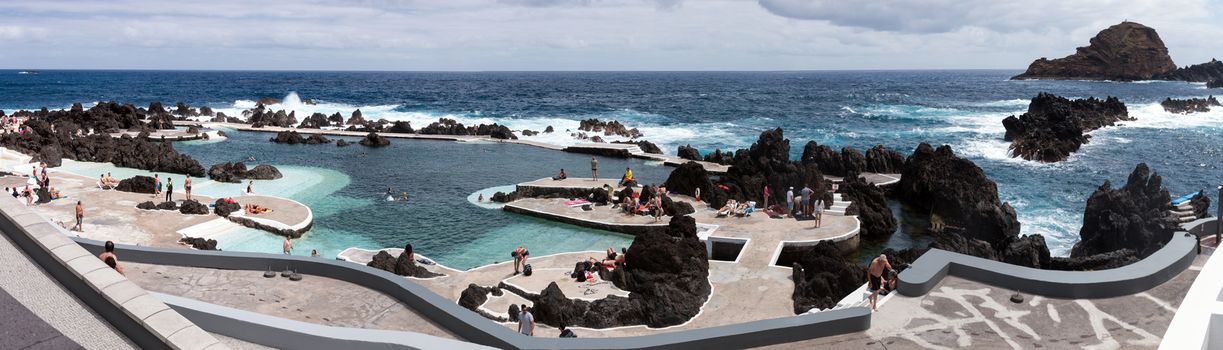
(579, 35)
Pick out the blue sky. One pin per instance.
(581, 34)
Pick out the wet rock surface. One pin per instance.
(1191, 105)
(1134, 216)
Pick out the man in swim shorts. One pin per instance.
(875, 276)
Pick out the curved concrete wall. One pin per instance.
(1156, 269)
(475, 328)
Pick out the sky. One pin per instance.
(485, 35)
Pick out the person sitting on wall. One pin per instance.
(560, 176)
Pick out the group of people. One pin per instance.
(805, 204)
(588, 270)
(169, 192)
(648, 201)
(390, 195)
(736, 208)
(105, 181)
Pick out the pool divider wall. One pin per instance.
(475, 328)
(1161, 266)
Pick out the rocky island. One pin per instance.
(1055, 126)
(1127, 51)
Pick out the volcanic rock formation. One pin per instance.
(236, 172)
(1133, 217)
(1192, 105)
(1054, 126)
(1126, 51)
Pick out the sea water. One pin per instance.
(708, 110)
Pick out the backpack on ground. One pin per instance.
(526, 271)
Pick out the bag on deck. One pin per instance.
(526, 271)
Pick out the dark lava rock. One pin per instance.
(62, 130)
(223, 207)
(336, 119)
(494, 130)
(823, 276)
(687, 178)
(1201, 205)
(374, 140)
(529, 132)
(766, 162)
(236, 172)
(1215, 84)
(314, 121)
(193, 129)
(1126, 51)
(200, 243)
(853, 161)
(167, 206)
(647, 146)
(667, 275)
(673, 208)
(341, 143)
(963, 203)
(1028, 251)
(402, 265)
(137, 184)
(147, 205)
(401, 127)
(259, 116)
(193, 207)
(717, 156)
(828, 161)
(1102, 261)
(549, 130)
(1192, 105)
(444, 126)
(476, 295)
(882, 160)
(688, 152)
(1054, 126)
(316, 139)
(502, 197)
(871, 207)
(956, 191)
(608, 128)
(1203, 73)
(405, 266)
(290, 137)
(1133, 217)
(356, 118)
(206, 111)
(52, 155)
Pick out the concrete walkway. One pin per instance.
(48, 302)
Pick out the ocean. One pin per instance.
(708, 110)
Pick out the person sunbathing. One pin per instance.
(728, 208)
(255, 209)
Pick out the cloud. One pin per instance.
(942, 16)
(578, 35)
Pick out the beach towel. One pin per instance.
(576, 203)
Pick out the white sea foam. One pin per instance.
(1017, 102)
(1153, 116)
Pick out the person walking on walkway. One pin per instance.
(80, 217)
(594, 168)
(875, 277)
(526, 321)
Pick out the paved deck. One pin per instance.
(112, 215)
(36, 311)
(964, 314)
(314, 299)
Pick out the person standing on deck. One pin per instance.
(766, 197)
(80, 217)
(288, 246)
(187, 186)
(594, 168)
(790, 201)
(169, 189)
(875, 277)
(807, 209)
(526, 321)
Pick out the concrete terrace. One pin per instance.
(112, 215)
(960, 313)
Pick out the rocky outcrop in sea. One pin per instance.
(1191, 105)
(1055, 126)
(292, 137)
(882, 160)
(964, 209)
(646, 146)
(1215, 84)
(444, 126)
(260, 117)
(1133, 217)
(1123, 52)
(1201, 73)
(374, 140)
(236, 172)
(688, 152)
(608, 128)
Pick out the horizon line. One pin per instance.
(507, 71)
